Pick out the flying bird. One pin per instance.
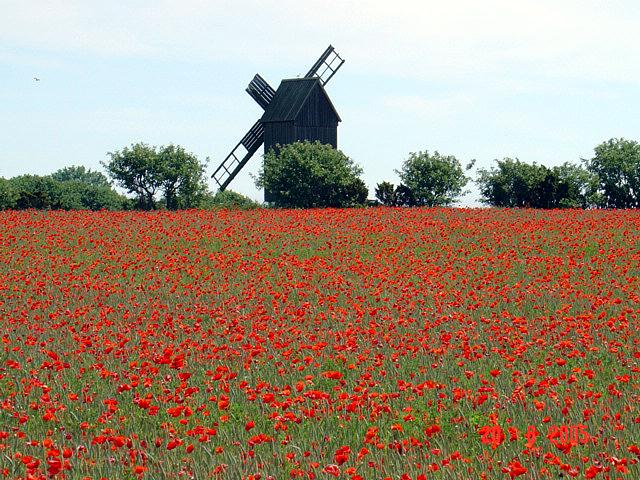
(36, 79)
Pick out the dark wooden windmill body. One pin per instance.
(299, 109)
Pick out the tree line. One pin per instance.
(610, 179)
(70, 188)
(167, 177)
(309, 174)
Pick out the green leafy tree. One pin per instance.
(46, 193)
(80, 188)
(386, 194)
(137, 170)
(511, 184)
(434, 179)
(78, 195)
(390, 196)
(404, 196)
(617, 165)
(35, 191)
(145, 172)
(577, 187)
(8, 195)
(79, 173)
(183, 181)
(67, 195)
(517, 184)
(230, 200)
(307, 175)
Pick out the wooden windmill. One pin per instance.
(299, 109)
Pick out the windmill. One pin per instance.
(299, 109)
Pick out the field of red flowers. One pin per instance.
(403, 344)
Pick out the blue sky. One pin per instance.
(543, 81)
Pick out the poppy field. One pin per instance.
(360, 344)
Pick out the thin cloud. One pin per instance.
(433, 108)
(406, 38)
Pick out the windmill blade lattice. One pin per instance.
(326, 66)
(260, 91)
(239, 156)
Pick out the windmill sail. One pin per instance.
(326, 66)
(260, 91)
(239, 156)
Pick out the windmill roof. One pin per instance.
(290, 97)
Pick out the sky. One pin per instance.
(543, 81)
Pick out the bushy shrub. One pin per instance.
(307, 175)
(230, 200)
(431, 179)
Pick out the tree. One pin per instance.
(230, 200)
(433, 179)
(183, 181)
(386, 193)
(404, 196)
(577, 187)
(511, 184)
(137, 170)
(35, 191)
(80, 188)
(146, 171)
(78, 195)
(46, 193)
(617, 165)
(8, 195)
(81, 174)
(390, 196)
(307, 175)
(517, 184)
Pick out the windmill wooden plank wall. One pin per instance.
(299, 109)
